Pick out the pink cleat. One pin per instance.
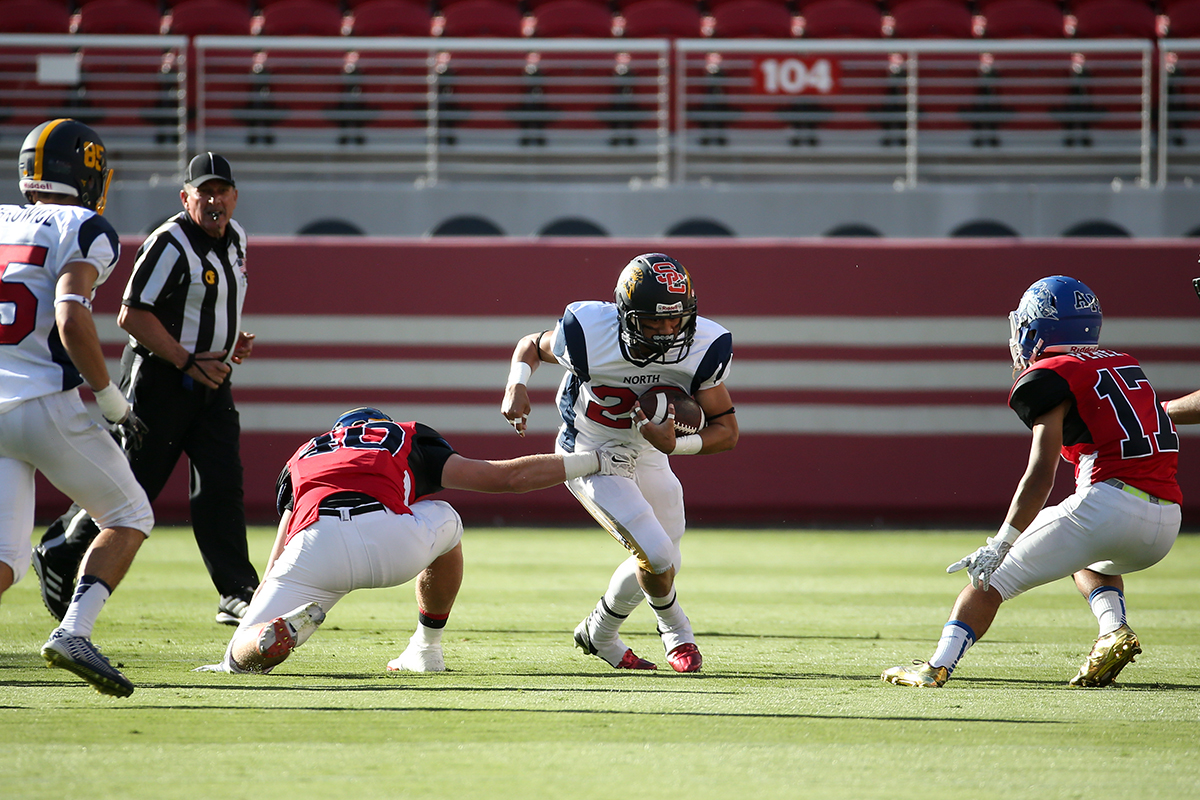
(685, 658)
(632, 661)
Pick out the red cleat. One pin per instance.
(685, 658)
(632, 661)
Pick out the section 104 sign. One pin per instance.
(794, 75)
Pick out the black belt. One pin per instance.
(348, 504)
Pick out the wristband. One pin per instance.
(189, 363)
(519, 374)
(74, 298)
(113, 404)
(688, 445)
(576, 465)
(1007, 534)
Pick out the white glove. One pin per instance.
(621, 463)
(983, 562)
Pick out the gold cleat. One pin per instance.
(1109, 655)
(921, 674)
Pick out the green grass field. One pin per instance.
(795, 628)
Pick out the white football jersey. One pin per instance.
(36, 242)
(597, 394)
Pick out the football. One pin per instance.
(689, 417)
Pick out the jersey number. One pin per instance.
(614, 411)
(20, 323)
(1136, 444)
(373, 436)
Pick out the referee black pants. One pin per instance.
(183, 417)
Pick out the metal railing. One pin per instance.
(430, 110)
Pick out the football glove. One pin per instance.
(118, 413)
(983, 562)
(621, 463)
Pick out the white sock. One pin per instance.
(956, 639)
(91, 594)
(426, 636)
(1108, 604)
(673, 624)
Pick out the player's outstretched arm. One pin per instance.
(527, 473)
(1184, 410)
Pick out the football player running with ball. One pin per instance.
(1098, 410)
(650, 336)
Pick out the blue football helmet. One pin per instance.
(1056, 315)
(358, 416)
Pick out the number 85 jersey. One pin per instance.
(1115, 427)
(597, 394)
(36, 242)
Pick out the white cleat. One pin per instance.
(419, 658)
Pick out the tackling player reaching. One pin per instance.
(651, 335)
(355, 514)
(1099, 411)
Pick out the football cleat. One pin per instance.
(56, 568)
(232, 608)
(685, 658)
(419, 658)
(284, 634)
(627, 658)
(1109, 655)
(921, 674)
(77, 654)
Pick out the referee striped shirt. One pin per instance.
(193, 283)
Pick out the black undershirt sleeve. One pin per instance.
(426, 459)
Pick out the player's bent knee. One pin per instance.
(136, 515)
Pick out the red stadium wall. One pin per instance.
(870, 376)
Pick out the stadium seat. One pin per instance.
(1023, 19)
(1114, 19)
(261, 6)
(34, 16)
(209, 18)
(752, 19)
(661, 19)
(301, 18)
(119, 16)
(585, 19)
(841, 19)
(713, 5)
(482, 18)
(391, 18)
(1184, 19)
(932, 19)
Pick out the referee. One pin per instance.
(182, 310)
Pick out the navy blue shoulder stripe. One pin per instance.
(714, 363)
(94, 227)
(576, 344)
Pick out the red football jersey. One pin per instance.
(1116, 427)
(379, 458)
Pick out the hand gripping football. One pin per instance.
(689, 417)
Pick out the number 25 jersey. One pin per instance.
(1115, 427)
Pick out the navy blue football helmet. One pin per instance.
(655, 286)
(64, 156)
(1056, 315)
(358, 416)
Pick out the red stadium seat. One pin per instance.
(486, 18)
(301, 18)
(34, 16)
(209, 18)
(841, 19)
(713, 5)
(661, 19)
(1184, 20)
(1023, 19)
(120, 16)
(932, 19)
(586, 19)
(391, 18)
(442, 5)
(752, 19)
(262, 5)
(1114, 19)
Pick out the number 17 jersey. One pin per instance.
(1115, 427)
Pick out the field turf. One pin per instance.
(795, 627)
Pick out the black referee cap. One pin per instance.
(207, 166)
